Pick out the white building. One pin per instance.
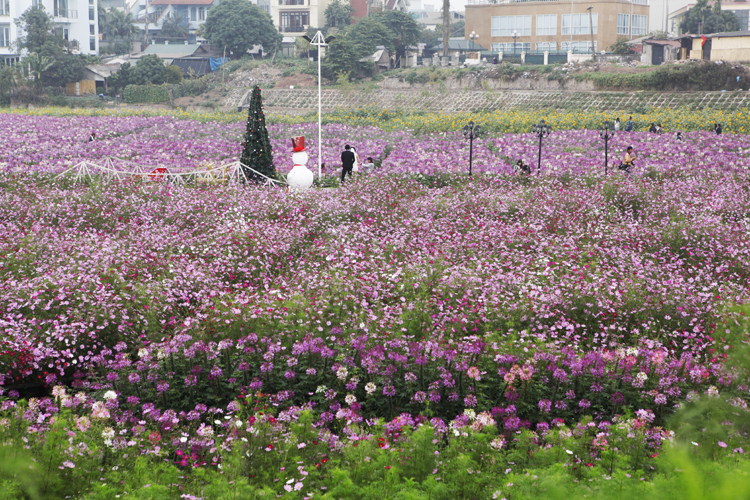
(293, 17)
(76, 20)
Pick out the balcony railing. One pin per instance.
(497, 2)
(292, 29)
(291, 2)
(70, 14)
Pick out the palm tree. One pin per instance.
(38, 65)
(120, 25)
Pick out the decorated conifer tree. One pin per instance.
(256, 149)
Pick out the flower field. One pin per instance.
(414, 331)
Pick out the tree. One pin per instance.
(621, 46)
(174, 27)
(714, 20)
(256, 149)
(172, 74)
(122, 78)
(150, 69)
(354, 43)
(120, 25)
(405, 30)
(238, 25)
(38, 64)
(66, 69)
(40, 36)
(338, 14)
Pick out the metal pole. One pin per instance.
(471, 149)
(591, 30)
(539, 164)
(570, 27)
(630, 21)
(606, 137)
(320, 130)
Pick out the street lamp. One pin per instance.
(606, 132)
(473, 36)
(541, 129)
(471, 131)
(319, 41)
(515, 35)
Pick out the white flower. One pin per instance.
(370, 388)
(110, 395)
(350, 398)
(341, 373)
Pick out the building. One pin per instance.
(77, 21)
(430, 19)
(732, 47)
(364, 7)
(549, 25)
(741, 9)
(294, 17)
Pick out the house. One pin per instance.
(733, 46)
(381, 58)
(741, 8)
(458, 47)
(100, 73)
(656, 51)
(150, 16)
(430, 20)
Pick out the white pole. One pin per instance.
(320, 130)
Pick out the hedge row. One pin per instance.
(150, 93)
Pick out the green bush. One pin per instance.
(150, 93)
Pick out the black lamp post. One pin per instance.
(515, 36)
(606, 132)
(471, 131)
(541, 129)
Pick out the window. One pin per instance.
(92, 14)
(34, 3)
(744, 16)
(92, 43)
(92, 29)
(201, 14)
(623, 24)
(542, 46)
(192, 13)
(507, 48)
(640, 25)
(640, 2)
(4, 7)
(66, 34)
(546, 25)
(506, 25)
(580, 24)
(578, 47)
(4, 36)
(294, 22)
(291, 2)
(265, 5)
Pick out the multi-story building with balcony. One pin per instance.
(293, 17)
(77, 21)
(555, 25)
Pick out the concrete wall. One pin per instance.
(735, 48)
(479, 19)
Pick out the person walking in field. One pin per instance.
(629, 125)
(347, 162)
(617, 124)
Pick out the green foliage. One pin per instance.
(405, 29)
(65, 69)
(698, 75)
(256, 147)
(621, 46)
(150, 69)
(40, 36)
(150, 93)
(118, 25)
(354, 43)
(38, 64)
(713, 18)
(122, 78)
(174, 27)
(172, 74)
(239, 25)
(338, 14)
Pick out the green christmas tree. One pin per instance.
(256, 149)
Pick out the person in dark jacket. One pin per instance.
(347, 162)
(717, 128)
(629, 126)
(652, 128)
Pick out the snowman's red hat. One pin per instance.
(298, 144)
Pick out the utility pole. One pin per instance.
(446, 26)
(223, 67)
(591, 29)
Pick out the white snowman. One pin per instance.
(300, 177)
